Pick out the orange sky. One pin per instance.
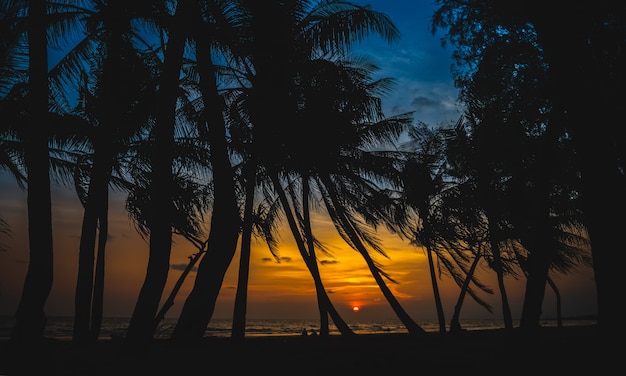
(276, 290)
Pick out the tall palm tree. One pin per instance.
(241, 295)
(225, 219)
(305, 243)
(279, 51)
(123, 82)
(161, 211)
(60, 121)
(309, 27)
(356, 237)
(422, 191)
(114, 111)
(340, 99)
(425, 188)
(480, 180)
(449, 223)
(30, 318)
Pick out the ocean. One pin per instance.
(61, 327)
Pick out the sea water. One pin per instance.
(61, 327)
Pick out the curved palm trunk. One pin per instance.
(241, 297)
(225, 220)
(559, 316)
(30, 318)
(340, 218)
(323, 299)
(169, 302)
(455, 325)
(535, 291)
(141, 327)
(433, 279)
(537, 268)
(498, 267)
(84, 284)
(542, 247)
(487, 192)
(321, 304)
(93, 214)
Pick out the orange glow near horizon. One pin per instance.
(280, 290)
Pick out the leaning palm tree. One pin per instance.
(225, 218)
(193, 260)
(341, 98)
(300, 226)
(480, 187)
(160, 183)
(357, 237)
(279, 52)
(310, 28)
(425, 187)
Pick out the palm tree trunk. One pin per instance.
(96, 202)
(336, 210)
(30, 318)
(141, 327)
(225, 220)
(84, 283)
(537, 267)
(542, 248)
(323, 299)
(97, 306)
(241, 296)
(308, 232)
(455, 325)
(169, 302)
(559, 315)
(498, 267)
(433, 278)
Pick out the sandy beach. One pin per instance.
(575, 348)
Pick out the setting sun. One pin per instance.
(356, 309)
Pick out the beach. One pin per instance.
(575, 348)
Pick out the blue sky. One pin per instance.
(418, 62)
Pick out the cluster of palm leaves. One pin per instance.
(221, 119)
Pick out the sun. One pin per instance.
(356, 308)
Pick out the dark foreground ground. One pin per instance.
(577, 349)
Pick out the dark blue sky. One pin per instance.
(418, 63)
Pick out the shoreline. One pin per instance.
(61, 327)
(572, 348)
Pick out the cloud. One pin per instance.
(280, 259)
(328, 262)
(421, 101)
(182, 267)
